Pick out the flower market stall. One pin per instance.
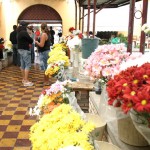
(104, 64)
(124, 90)
(62, 123)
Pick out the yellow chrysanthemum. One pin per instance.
(61, 128)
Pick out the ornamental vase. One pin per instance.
(60, 74)
(139, 123)
(76, 59)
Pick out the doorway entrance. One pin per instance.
(36, 14)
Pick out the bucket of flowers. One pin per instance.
(57, 63)
(52, 97)
(57, 94)
(105, 62)
(74, 43)
(130, 90)
(61, 46)
(62, 128)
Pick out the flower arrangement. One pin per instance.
(60, 46)
(61, 128)
(146, 28)
(57, 61)
(130, 90)
(71, 29)
(105, 61)
(51, 98)
(74, 40)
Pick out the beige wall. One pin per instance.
(0, 18)
(11, 9)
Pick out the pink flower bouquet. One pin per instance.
(105, 61)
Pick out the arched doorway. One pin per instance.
(36, 14)
(40, 13)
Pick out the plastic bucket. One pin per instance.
(88, 45)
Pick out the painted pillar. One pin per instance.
(83, 20)
(88, 22)
(144, 20)
(94, 14)
(75, 14)
(79, 17)
(130, 26)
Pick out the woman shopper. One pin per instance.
(43, 49)
(24, 40)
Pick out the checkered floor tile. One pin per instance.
(15, 101)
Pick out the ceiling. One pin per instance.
(104, 3)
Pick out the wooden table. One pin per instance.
(82, 90)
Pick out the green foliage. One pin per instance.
(123, 39)
(103, 41)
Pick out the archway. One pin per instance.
(40, 13)
(36, 14)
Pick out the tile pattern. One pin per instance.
(15, 101)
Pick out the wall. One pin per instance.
(11, 9)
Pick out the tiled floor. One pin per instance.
(15, 101)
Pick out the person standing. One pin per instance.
(13, 39)
(44, 48)
(31, 33)
(24, 40)
(52, 33)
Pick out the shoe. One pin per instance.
(28, 84)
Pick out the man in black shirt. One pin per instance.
(13, 39)
(24, 40)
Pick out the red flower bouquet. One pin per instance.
(130, 90)
(71, 29)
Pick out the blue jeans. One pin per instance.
(25, 59)
(43, 59)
